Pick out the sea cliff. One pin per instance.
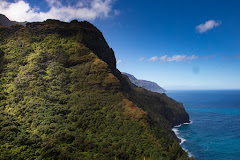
(62, 97)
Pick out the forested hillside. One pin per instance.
(61, 97)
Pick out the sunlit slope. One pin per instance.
(61, 97)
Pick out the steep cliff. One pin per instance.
(61, 97)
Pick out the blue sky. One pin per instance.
(180, 44)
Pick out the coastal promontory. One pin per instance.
(62, 97)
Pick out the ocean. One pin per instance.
(214, 131)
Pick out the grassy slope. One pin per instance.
(61, 97)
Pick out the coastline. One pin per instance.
(182, 140)
(214, 133)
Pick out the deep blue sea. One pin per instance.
(214, 133)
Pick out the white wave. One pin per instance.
(175, 130)
(189, 154)
(178, 125)
(190, 122)
(182, 140)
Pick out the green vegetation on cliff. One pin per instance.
(61, 97)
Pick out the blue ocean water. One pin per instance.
(214, 133)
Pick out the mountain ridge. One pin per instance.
(149, 85)
(6, 22)
(62, 97)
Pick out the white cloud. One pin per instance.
(163, 57)
(207, 26)
(180, 58)
(119, 61)
(174, 58)
(153, 58)
(84, 10)
(141, 59)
